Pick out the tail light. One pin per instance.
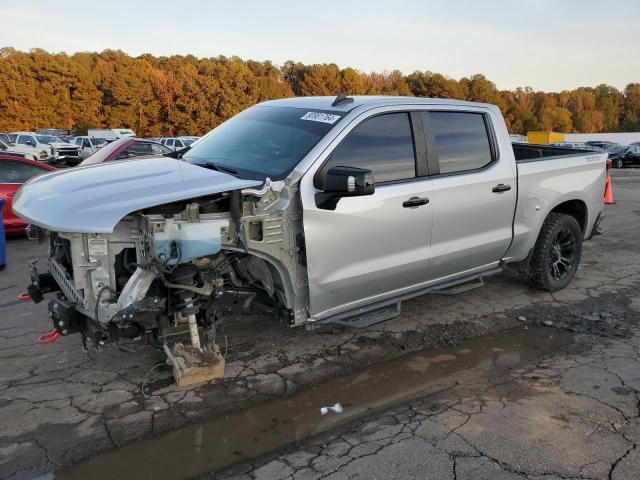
(609, 164)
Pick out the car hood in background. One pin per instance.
(94, 199)
(62, 145)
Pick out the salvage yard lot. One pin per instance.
(59, 404)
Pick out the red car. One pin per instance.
(14, 172)
(124, 148)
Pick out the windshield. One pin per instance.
(48, 139)
(262, 141)
(616, 148)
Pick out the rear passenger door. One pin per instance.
(373, 247)
(474, 194)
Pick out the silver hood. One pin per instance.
(94, 199)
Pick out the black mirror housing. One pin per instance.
(344, 182)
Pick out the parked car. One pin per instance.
(110, 133)
(125, 148)
(601, 143)
(178, 143)
(13, 173)
(623, 155)
(578, 146)
(23, 150)
(635, 143)
(321, 210)
(88, 145)
(6, 138)
(58, 151)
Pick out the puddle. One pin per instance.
(218, 443)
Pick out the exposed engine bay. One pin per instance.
(183, 266)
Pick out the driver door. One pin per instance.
(373, 247)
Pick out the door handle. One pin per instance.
(415, 202)
(501, 188)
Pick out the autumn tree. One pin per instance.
(181, 95)
(631, 116)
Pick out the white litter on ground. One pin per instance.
(337, 408)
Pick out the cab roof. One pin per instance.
(325, 103)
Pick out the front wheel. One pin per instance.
(557, 253)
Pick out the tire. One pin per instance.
(618, 163)
(556, 255)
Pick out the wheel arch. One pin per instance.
(575, 208)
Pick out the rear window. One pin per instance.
(462, 141)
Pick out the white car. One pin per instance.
(55, 147)
(26, 151)
(89, 145)
(177, 143)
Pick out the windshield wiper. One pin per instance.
(218, 167)
(178, 153)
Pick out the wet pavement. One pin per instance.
(214, 444)
(573, 414)
(58, 404)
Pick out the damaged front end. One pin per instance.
(179, 268)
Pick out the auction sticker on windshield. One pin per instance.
(320, 117)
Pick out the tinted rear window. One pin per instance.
(462, 141)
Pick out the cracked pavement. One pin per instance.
(577, 417)
(573, 415)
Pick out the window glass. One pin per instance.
(23, 139)
(382, 144)
(169, 143)
(86, 143)
(48, 139)
(17, 172)
(462, 141)
(139, 148)
(159, 149)
(263, 141)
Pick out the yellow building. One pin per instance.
(545, 138)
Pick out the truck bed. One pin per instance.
(527, 152)
(550, 175)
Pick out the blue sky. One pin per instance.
(548, 45)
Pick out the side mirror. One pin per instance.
(344, 182)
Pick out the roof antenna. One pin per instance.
(341, 98)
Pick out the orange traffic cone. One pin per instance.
(608, 192)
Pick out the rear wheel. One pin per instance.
(557, 253)
(618, 163)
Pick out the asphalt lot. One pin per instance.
(59, 404)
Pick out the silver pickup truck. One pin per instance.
(316, 209)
